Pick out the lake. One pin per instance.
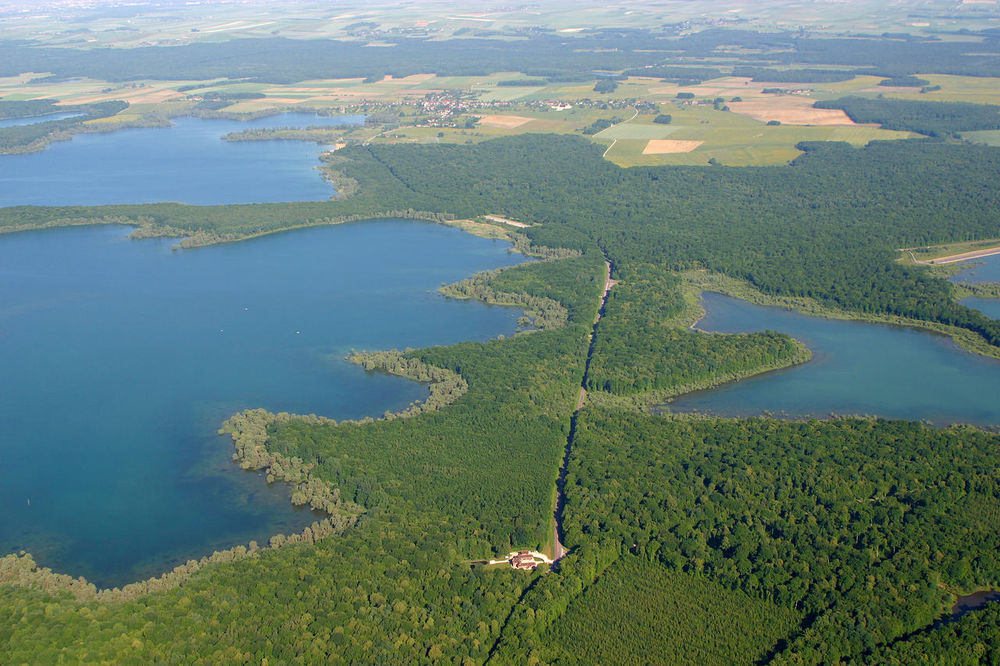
(857, 368)
(977, 271)
(34, 120)
(121, 359)
(983, 269)
(188, 162)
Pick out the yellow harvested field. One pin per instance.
(791, 111)
(665, 146)
(406, 80)
(505, 122)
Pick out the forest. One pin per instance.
(938, 119)
(541, 54)
(761, 540)
(851, 522)
(646, 344)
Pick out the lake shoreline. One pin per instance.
(451, 387)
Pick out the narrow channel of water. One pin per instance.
(857, 368)
(119, 359)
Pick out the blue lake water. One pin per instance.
(984, 269)
(33, 120)
(188, 162)
(977, 271)
(121, 358)
(988, 306)
(857, 368)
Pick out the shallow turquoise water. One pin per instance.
(188, 162)
(857, 368)
(119, 359)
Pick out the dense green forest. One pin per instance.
(645, 343)
(973, 639)
(863, 526)
(845, 539)
(638, 609)
(930, 118)
(540, 54)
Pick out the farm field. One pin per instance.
(988, 137)
(736, 137)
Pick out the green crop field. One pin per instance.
(638, 131)
(989, 137)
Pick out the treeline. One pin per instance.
(522, 82)
(643, 345)
(679, 74)
(853, 523)
(930, 118)
(539, 312)
(601, 124)
(907, 81)
(248, 430)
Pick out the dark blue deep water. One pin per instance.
(119, 359)
(857, 368)
(188, 162)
